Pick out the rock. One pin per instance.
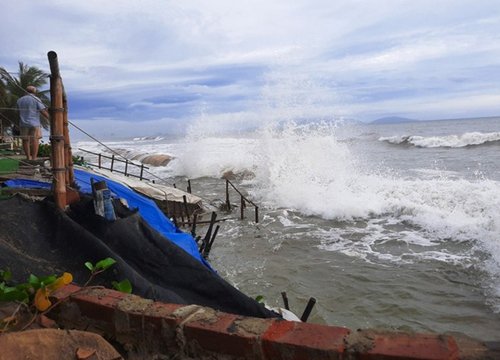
(52, 344)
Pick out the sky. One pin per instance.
(156, 66)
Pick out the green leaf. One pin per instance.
(259, 298)
(34, 281)
(5, 275)
(124, 286)
(89, 266)
(13, 294)
(104, 264)
(47, 280)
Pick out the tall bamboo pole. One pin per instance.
(57, 132)
(68, 155)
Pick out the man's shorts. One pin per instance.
(30, 132)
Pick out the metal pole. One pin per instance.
(57, 132)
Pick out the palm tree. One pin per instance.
(12, 88)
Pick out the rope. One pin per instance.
(10, 79)
(114, 152)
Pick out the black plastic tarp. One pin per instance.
(37, 238)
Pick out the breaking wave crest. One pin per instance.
(449, 141)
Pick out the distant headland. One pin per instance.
(400, 119)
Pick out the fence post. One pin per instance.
(126, 167)
(256, 214)
(142, 171)
(99, 161)
(189, 186)
(112, 162)
(242, 206)
(228, 204)
(57, 132)
(184, 198)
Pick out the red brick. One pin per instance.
(160, 314)
(296, 341)
(99, 304)
(217, 332)
(411, 346)
(65, 291)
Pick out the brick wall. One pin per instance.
(142, 326)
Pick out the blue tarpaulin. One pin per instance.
(146, 207)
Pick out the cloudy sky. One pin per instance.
(153, 66)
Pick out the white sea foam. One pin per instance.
(306, 169)
(451, 141)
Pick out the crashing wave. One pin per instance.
(449, 141)
(149, 138)
(145, 158)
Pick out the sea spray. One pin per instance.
(304, 167)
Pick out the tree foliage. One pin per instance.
(12, 88)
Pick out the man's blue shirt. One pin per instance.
(29, 110)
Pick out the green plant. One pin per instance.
(44, 150)
(37, 290)
(98, 268)
(124, 286)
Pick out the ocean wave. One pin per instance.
(148, 138)
(449, 141)
(147, 158)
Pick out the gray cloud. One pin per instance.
(155, 60)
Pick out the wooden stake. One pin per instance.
(57, 132)
(308, 309)
(186, 209)
(228, 204)
(70, 176)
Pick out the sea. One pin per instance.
(386, 226)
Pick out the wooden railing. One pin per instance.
(114, 159)
(243, 202)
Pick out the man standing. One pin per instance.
(30, 107)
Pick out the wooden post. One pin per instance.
(256, 214)
(208, 235)
(57, 132)
(112, 161)
(285, 300)
(242, 207)
(184, 198)
(193, 228)
(228, 204)
(68, 155)
(126, 166)
(99, 161)
(189, 186)
(142, 171)
(308, 309)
